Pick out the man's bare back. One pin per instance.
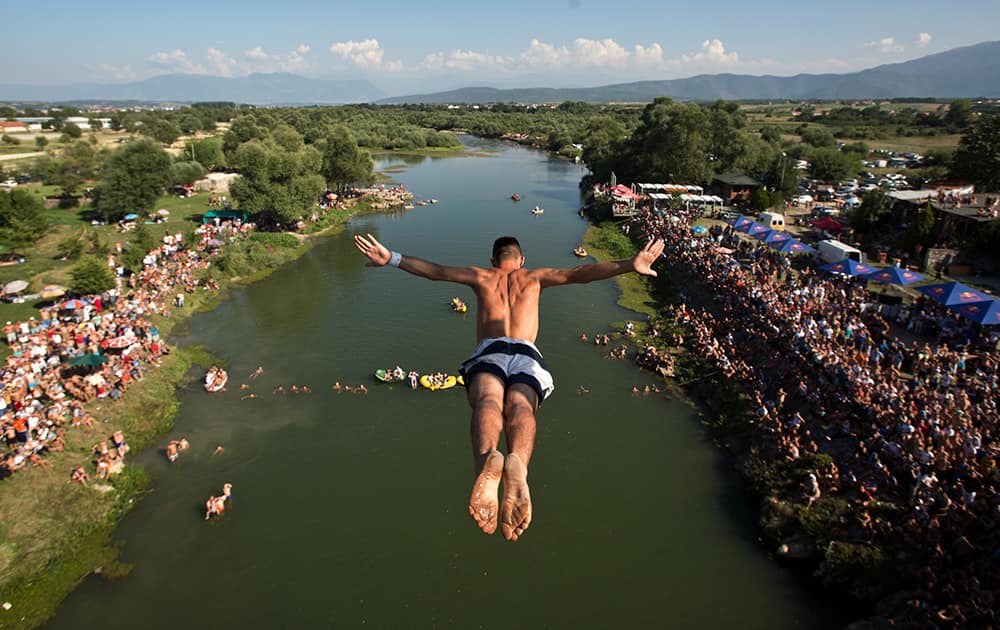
(506, 379)
(507, 304)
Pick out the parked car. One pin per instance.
(797, 199)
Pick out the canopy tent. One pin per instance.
(763, 234)
(776, 238)
(757, 228)
(827, 224)
(88, 360)
(700, 199)
(848, 267)
(895, 275)
(951, 293)
(224, 215)
(669, 188)
(986, 313)
(740, 224)
(793, 246)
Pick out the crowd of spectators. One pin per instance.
(901, 402)
(93, 348)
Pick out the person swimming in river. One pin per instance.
(506, 377)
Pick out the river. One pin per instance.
(350, 510)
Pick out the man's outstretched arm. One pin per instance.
(378, 255)
(641, 264)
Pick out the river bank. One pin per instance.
(55, 533)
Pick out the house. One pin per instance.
(731, 186)
(12, 126)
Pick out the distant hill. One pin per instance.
(970, 71)
(279, 88)
(961, 72)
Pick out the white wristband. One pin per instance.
(395, 258)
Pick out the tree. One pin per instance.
(22, 221)
(41, 142)
(187, 172)
(9, 139)
(132, 179)
(72, 130)
(875, 206)
(276, 184)
(344, 163)
(919, 231)
(671, 143)
(161, 129)
(978, 154)
(207, 151)
(830, 165)
(959, 114)
(91, 275)
(817, 137)
(78, 163)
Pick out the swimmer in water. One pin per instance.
(249, 396)
(278, 390)
(218, 450)
(256, 373)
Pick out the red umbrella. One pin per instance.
(122, 342)
(72, 305)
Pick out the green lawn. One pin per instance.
(44, 266)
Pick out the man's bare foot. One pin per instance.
(515, 509)
(483, 501)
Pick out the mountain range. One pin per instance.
(277, 88)
(970, 71)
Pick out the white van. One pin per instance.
(831, 251)
(772, 220)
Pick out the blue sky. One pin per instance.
(405, 45)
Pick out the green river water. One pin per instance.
(350, 511)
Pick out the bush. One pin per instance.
(275, 239)
(91, 275)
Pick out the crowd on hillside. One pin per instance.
(908, 421)
(93, 348)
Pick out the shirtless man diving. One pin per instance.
(506, 377)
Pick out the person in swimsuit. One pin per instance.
(506, 378)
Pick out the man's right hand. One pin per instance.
(377, 253)
(644, 260)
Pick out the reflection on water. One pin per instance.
(350, 510)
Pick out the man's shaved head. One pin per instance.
(506, 247)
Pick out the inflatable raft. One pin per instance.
(427, 383)
(388, 376)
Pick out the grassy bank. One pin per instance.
(55, 533)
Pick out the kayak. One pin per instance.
(218, 384)
(449, 382)
(386, 376)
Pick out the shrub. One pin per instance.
(275, 239)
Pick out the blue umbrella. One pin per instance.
(848, 267)
(951, 293)
(131, 217)
(986, 313)
(792, 246)
(895, 275)
(699, 230)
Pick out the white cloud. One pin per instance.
(366, 54)
(651, 55)
(599, 52)
(542, 54)
(463, 61)
(259, 60)
(222, 64)
(713, 51)
(177, 61)
(923, 39)
(120, 73)
(884, 45)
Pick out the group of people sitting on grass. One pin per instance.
(93, 351)
(891, 412)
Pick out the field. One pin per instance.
(781, 115)
(44, 265)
